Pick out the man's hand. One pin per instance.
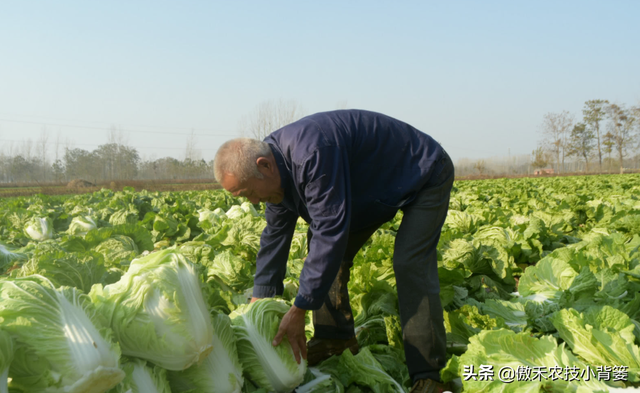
(292, 325)
(253, 299)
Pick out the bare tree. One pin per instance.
(269, 116)
(581, 143)
(191, 153)
(41, 150)
(480, 166)
(116, 135)
(57, 147)
(556, 128)
(593, 113)
(26, 149)
(57, 168)
(621, 125)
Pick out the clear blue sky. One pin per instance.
(476, 75)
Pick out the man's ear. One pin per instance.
(264, 164)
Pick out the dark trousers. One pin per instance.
(415, 264)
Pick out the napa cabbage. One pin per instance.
(232, 270)
(158, 312)
(545, 281)
(513, 313)
(30, 372)
(39, 228)
(124, 216)
(81, 225)
(221, 371)
(118, 250)
(237, 211)
(272, 368)
(214, 216)
(60, 326)
(505, 348)
(600, 335)
(143, 378)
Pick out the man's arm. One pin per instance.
(271, 262)
(328, 200)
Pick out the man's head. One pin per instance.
(246, 167)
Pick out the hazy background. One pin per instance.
(476, 75)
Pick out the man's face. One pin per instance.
(254, 189)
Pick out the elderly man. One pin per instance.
(346, 173)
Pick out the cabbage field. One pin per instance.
(148, 292)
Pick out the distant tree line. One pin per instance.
(110, 161)
(511, 165)
(607, 137)
(115, 160)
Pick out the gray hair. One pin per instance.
(238, 157)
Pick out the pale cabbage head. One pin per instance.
(221, 371)
(237, 211)
(81, 225)
(157, 311)
(213, 217)
(545, 281)
(234, 271)
(118, 250)
(248, 208)
(272, 368)
(73, 346)
(39, 228)
(143, 378)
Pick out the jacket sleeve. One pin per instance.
(325, 176)
(271, 262)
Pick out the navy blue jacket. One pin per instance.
(341, 171)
